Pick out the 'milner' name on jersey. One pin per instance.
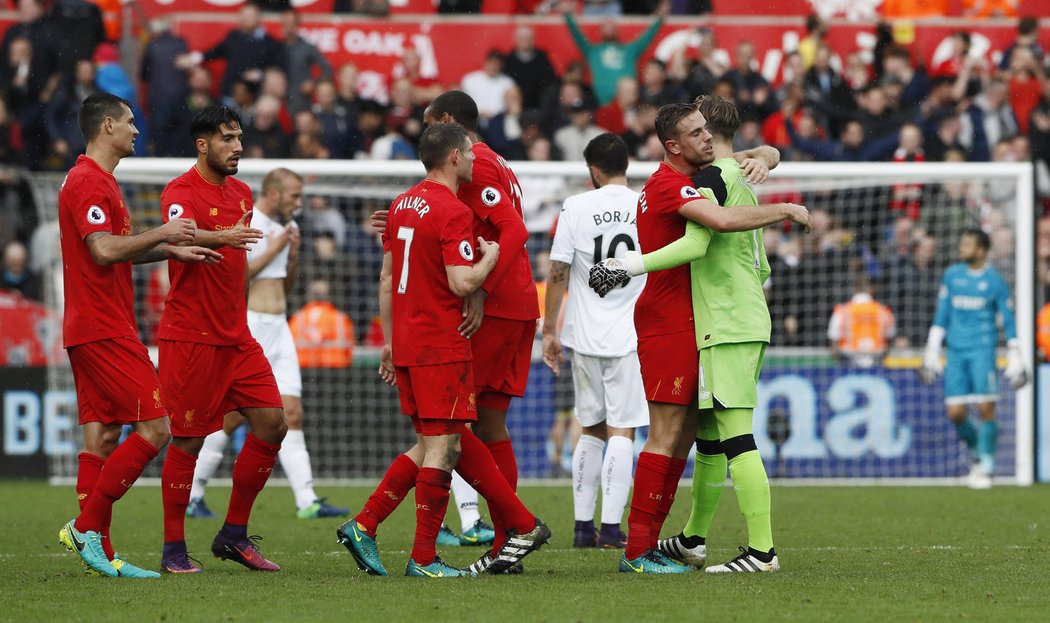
(413, 203)
(614, 216)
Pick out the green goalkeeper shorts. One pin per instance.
(729, 375)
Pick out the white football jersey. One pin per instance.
(592, 226)
(278, 266)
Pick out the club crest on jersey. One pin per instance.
(688, 192)
(95, 215)
(175, 211)
(466, 250)
(490, 196)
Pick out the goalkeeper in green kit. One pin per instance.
(732, 332)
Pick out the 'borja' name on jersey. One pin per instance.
(413, 203)
(614, 216)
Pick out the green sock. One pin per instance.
(967, 433)
(752, 494)
(709, 477)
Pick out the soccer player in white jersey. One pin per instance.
(610, 400)
(272, 269)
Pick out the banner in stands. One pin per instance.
(376, 47)
(37, 422)
(817, 422)
(30, 334)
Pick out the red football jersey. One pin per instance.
(512, 292)
(428, 229)
(99, 299)
(665, 305)
(206, 302)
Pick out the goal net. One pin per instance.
(820, 417)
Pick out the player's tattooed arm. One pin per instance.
(107, 248)
(557, 283)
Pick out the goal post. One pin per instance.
(818, 420)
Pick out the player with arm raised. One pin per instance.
(972, 298)
(115, 380)
(272, 269)
(209, 362)
(427, 270)
(664, 319)
(610, 401)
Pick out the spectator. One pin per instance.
(1042, 332)
(504, 131)
(822, 82)
(241, 98)
(167, 87)
(851, 146)
(64, 136)
(572, 139)
(488, 86)
(16, 275)
(77, 30)
(946, 139)
(987, 120)
(302, 60)
(393, 145)
(321, 218)
(323, 261)
(275, 83)
(338, 127)
(529, 67)
(308, 143)
(860, 330)
(1027, 37)
(324, 336)
(611, 59)
(751, 89)
(1025, 78)
(247, 50)
(39, 56)
(912, 287)
(619, 113)
(425, 86)
(265, 138)
(705, 70)
(906, 198)
(897, 63)
(856, 73)
(656, 88)
(199, 97)
(639, 130)
(816, 36)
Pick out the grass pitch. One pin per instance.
(848, 554)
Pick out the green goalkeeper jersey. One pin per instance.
(727, 269)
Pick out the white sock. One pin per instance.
(586, 474)
(207, 462)
(466, 501)
(295, 461)
(616, 478)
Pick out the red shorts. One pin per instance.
(203, 382)
(116, 382)
(670, 367)
(442, 392)
(502, 352)
(436, 428)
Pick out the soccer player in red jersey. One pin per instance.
(500, 317)
(663, 318)
(427, 270)
(209, 362)
(115, 379)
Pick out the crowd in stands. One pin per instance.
(829, 106)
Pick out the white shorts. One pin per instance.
(609, 389)
(275, 338)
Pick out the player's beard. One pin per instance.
(221, 167)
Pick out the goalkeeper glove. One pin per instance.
(1015, 373)
(931, 364)
(608, 274)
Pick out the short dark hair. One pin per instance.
(608, 152)
(438, 141)
(983, 241)
(209, 119)
(94, 111)
(723, 119)
(668, 118)
(462, 108)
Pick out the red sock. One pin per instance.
(399, 479)
(478, 468)
(250, 473)
(674, 474)
(649, 477)
(90, 466)
(431, 502)
(119, 472)
(176, 478)
(503, 454)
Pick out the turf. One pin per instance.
(848, 554)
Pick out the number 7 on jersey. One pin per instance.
(406, 234)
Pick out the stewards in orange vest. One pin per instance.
(324, 336)
(861, 329)
(1042, 331)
